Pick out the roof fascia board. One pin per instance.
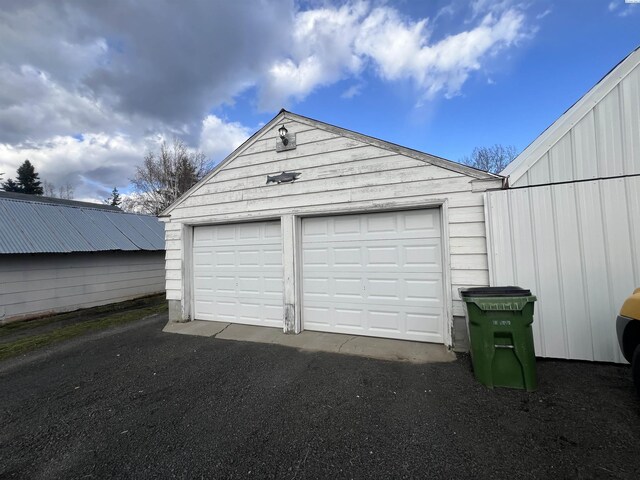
(558, 129)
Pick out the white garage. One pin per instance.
(308, 226)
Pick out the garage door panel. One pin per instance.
(318, 256)
(273, 286)
(379, 288)
(376, 226)
(317, 318)
(374, 274)
(423, 323)
(249, 285)
(346, 287)
(427, 256)
(345, 256)
(423, 290)
(238, 274)
(272, 257)
(382, 256)
(382, 289)
(273, 231)
(255, 284)
(381, 321)
(420, 324)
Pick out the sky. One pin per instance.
(87, 88)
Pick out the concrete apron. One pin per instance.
(380, 348)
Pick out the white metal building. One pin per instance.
(61, 255)
(371, 238)
(568, 227)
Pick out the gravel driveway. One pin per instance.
(136, 402)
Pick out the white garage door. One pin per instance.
(238, 273)
(377, 274)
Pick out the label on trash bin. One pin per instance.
(501, 323)
(503, 306)
(511, 305)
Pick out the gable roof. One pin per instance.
(34, 224)
(285, 115)
(554, 133)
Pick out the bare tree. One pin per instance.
(49, 188)
(164, 176)
(65, 191)
(491, 159)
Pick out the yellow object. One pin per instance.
(631, 306)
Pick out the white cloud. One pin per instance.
(332, 43)
(93, 164)
(622, 8)
(353, 91)
(541, 15)
(218, 139)
(321, 53)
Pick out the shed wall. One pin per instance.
(577, 247)
(35, 284)
(338, 174)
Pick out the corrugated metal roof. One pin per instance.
(104, 230)
(33, 224)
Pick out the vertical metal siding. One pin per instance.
(576, 246)
(604, 142)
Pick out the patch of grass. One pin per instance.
(39, 340)
(93, 312)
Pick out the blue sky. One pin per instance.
(87, 87)
(511, 100)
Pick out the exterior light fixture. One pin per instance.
(282, 131)
(285, 140)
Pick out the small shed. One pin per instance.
(61, 255)
(309, 226)
(568, 227)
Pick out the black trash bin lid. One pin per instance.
(495, 292)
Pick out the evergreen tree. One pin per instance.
(114, 200)
(29, 180)
(11, 186)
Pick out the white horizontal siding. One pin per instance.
(603, 140)
(338, 174)
(47, 283)
(575, 246)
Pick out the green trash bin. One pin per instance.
(499, 321)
